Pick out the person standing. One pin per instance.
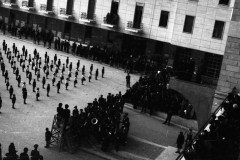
(7, 83)
(96, 74)
(30, 77)
(67, 62)
(91, 68)
(103, 71)
(13, 101)
(61, 77)
(47, 137)
(83, 70)
(43, 82)
(34, 85)
(75, 81)
(19, 80)
(78, 65)
(66, 83)
(47, 72)
(38, 74)
(37, 94)
(128, 79)
(53, 80)
(89, 77)
(180, 141)
(35, 153)
(24, 96)
(70, 67)
(48, 89)
(83, 79)
(11, 91)
(169, 117)
(24, 155)
(58, 86)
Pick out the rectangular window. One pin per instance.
(138, 15)
(224, 2)
(49, 5)
(69, 7)
(30, 3)
(188, 25)
(212, 65)
(114, 7)
(164, 19)
(91, 9)
(13, 1)
(218, 29)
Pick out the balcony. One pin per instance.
(9, 3)
(26, 7)
(43, 9)
(84, 18)
(111, 20)
(63, 14)
(131, 28)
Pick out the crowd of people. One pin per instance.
(12, 153)
(32, 66)
(220, 139)
(102, 119)
(152, 93)
(128, 60)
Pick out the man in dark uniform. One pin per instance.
(24, 96)
(78, 65)
(58, 86)
(67, 62)
(48, 89)
(180, 141)
(96, 74)
(47, 137)
(55, 59)
(128, 79)
(103, 71)
(34, 85)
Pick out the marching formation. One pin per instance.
(54, 71)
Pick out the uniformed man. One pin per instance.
(19, 80)
(11, 91)
(96, 74)
(34, 85)
(53, 80)
(43, 82)
(48, 89)
(13, 101)
(66, 83)
(91, 68)
(47, 137)
(37, 94)
(103, 71)
(70, 66)
(30, 77)
(78, 65)
(75, 81)
(58, 86)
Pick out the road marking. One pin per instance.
(146, 141)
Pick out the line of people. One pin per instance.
(12, 153)
(28, 63)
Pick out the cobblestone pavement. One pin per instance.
(26, 124)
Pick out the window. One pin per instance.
(114, 7)
(188, 25)
(164, 19)
(30, 3)
(49, 5)
(138, 15)
(218, 29)
(69, 7)
(212, 65)
(224, 2)
(91, 9)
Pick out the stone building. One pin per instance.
(176, 30)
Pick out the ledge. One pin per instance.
(28, 8)
(108, 25)
(87, 20)
(134, 30)
(46, 12)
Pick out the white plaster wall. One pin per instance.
(205, 12)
